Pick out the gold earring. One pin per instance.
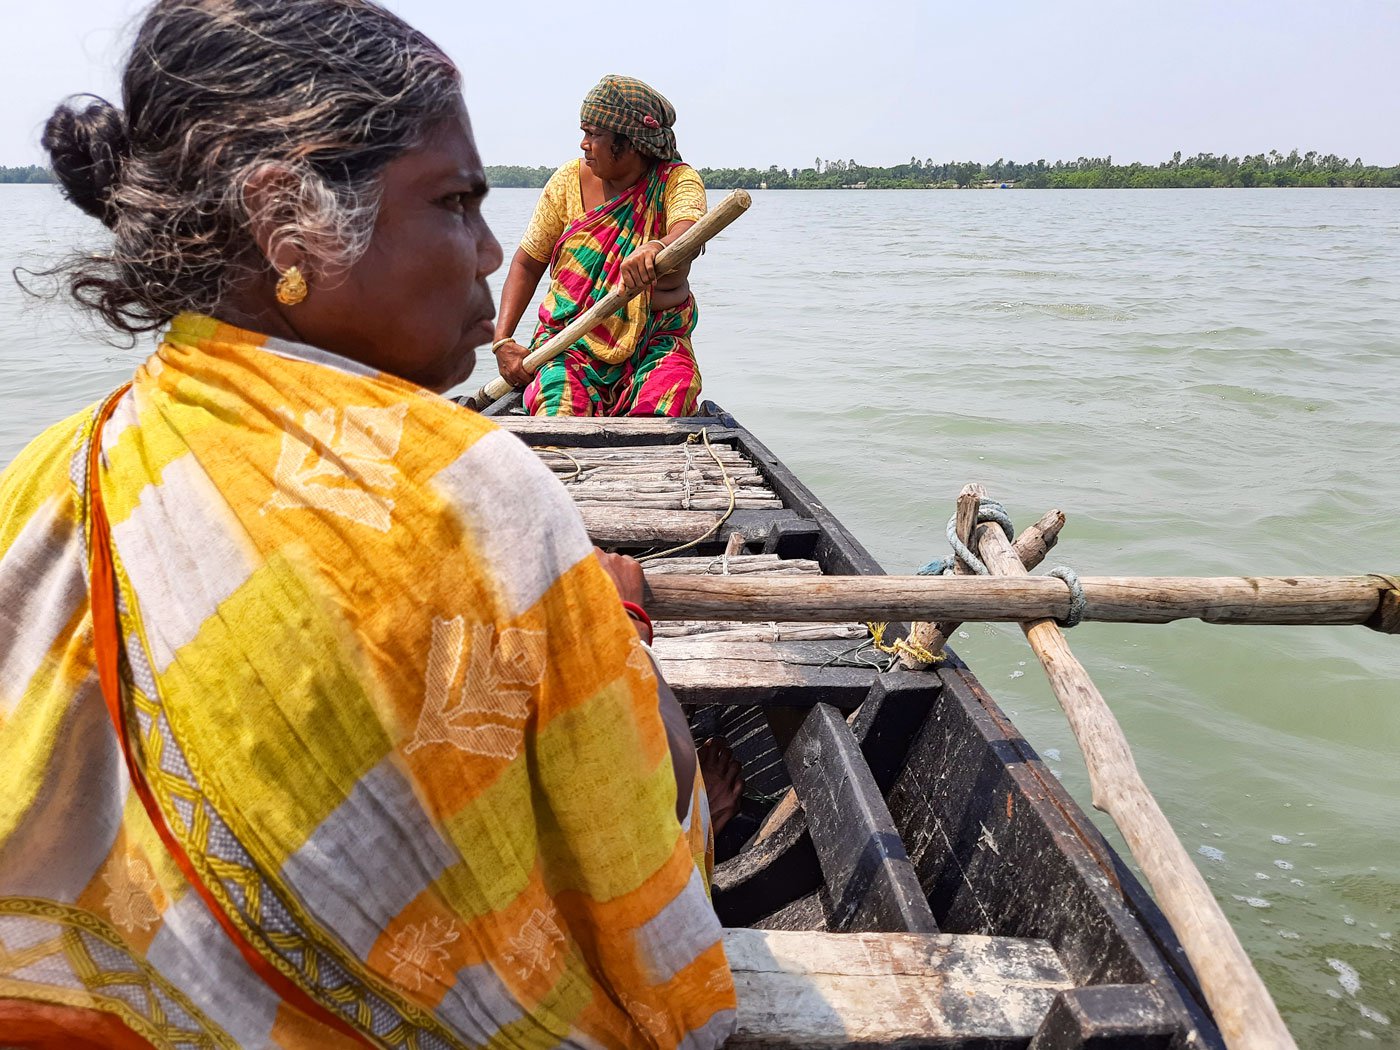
(291, 287)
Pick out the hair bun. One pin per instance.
(87, 148)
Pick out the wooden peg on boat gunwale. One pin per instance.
(1387, 615)
(1031, 546)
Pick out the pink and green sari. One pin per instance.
(637, 362)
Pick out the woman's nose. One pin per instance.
(488, 253)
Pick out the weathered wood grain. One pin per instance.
(734, 564)
(703, 669)
(1247, 1016)
(1112, 599)
(611, 431)
(619, 526)
(827, 990)
(772, 631)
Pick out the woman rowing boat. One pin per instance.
(322, 724)
(601, 223)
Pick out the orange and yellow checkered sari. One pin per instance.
(400, 777)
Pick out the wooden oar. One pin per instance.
(686, 247)
(1247, 1016)
(1372, 601)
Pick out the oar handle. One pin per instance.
(686, 247)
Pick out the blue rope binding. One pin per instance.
(991, 510)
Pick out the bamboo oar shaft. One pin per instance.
(686, 247)
(1111, 599)
(1247, 1016)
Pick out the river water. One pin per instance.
(1206, 382)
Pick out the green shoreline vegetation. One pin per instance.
(1203, 171)
(29, 173)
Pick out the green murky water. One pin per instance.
(1206, 382)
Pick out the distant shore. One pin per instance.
(1203, 171)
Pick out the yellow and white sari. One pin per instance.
(387, 767)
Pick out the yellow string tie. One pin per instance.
(901, 646)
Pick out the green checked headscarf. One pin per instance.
(627, 106)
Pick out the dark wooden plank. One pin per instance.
(769, 876)
(1108, 1017)
(611, 431)
(805, 913)
(500, 407)
(981, 815)
(889, 720)
(869, 883)
(793, 539)
(780, 864)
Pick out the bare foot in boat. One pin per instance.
(724, 781)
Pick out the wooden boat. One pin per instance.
(981, 906)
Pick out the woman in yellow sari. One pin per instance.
(322, 724)
(600, 223)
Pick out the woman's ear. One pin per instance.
(270, 201)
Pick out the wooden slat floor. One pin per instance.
(665, 494)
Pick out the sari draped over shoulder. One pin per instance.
(637, 361)
(387, 767)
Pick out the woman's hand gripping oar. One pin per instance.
(686, 248)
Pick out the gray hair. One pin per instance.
(325, 92)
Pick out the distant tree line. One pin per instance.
(1087, 173)
(29, 173)
(1201, 171)
(517, 176)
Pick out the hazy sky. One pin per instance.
(760, 83)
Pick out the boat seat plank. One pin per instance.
(795, 654)
(612, 431)
(641, 458)
(620, 525)
(732, 679)
(709, 669)
(828, 990)
(773, 631)
(734, 565)
(869, 883)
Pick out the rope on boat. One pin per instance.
(728, 484)
(685, 477)
(988, 510)
(1077, 601)
(991, 510)
(578, 467)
